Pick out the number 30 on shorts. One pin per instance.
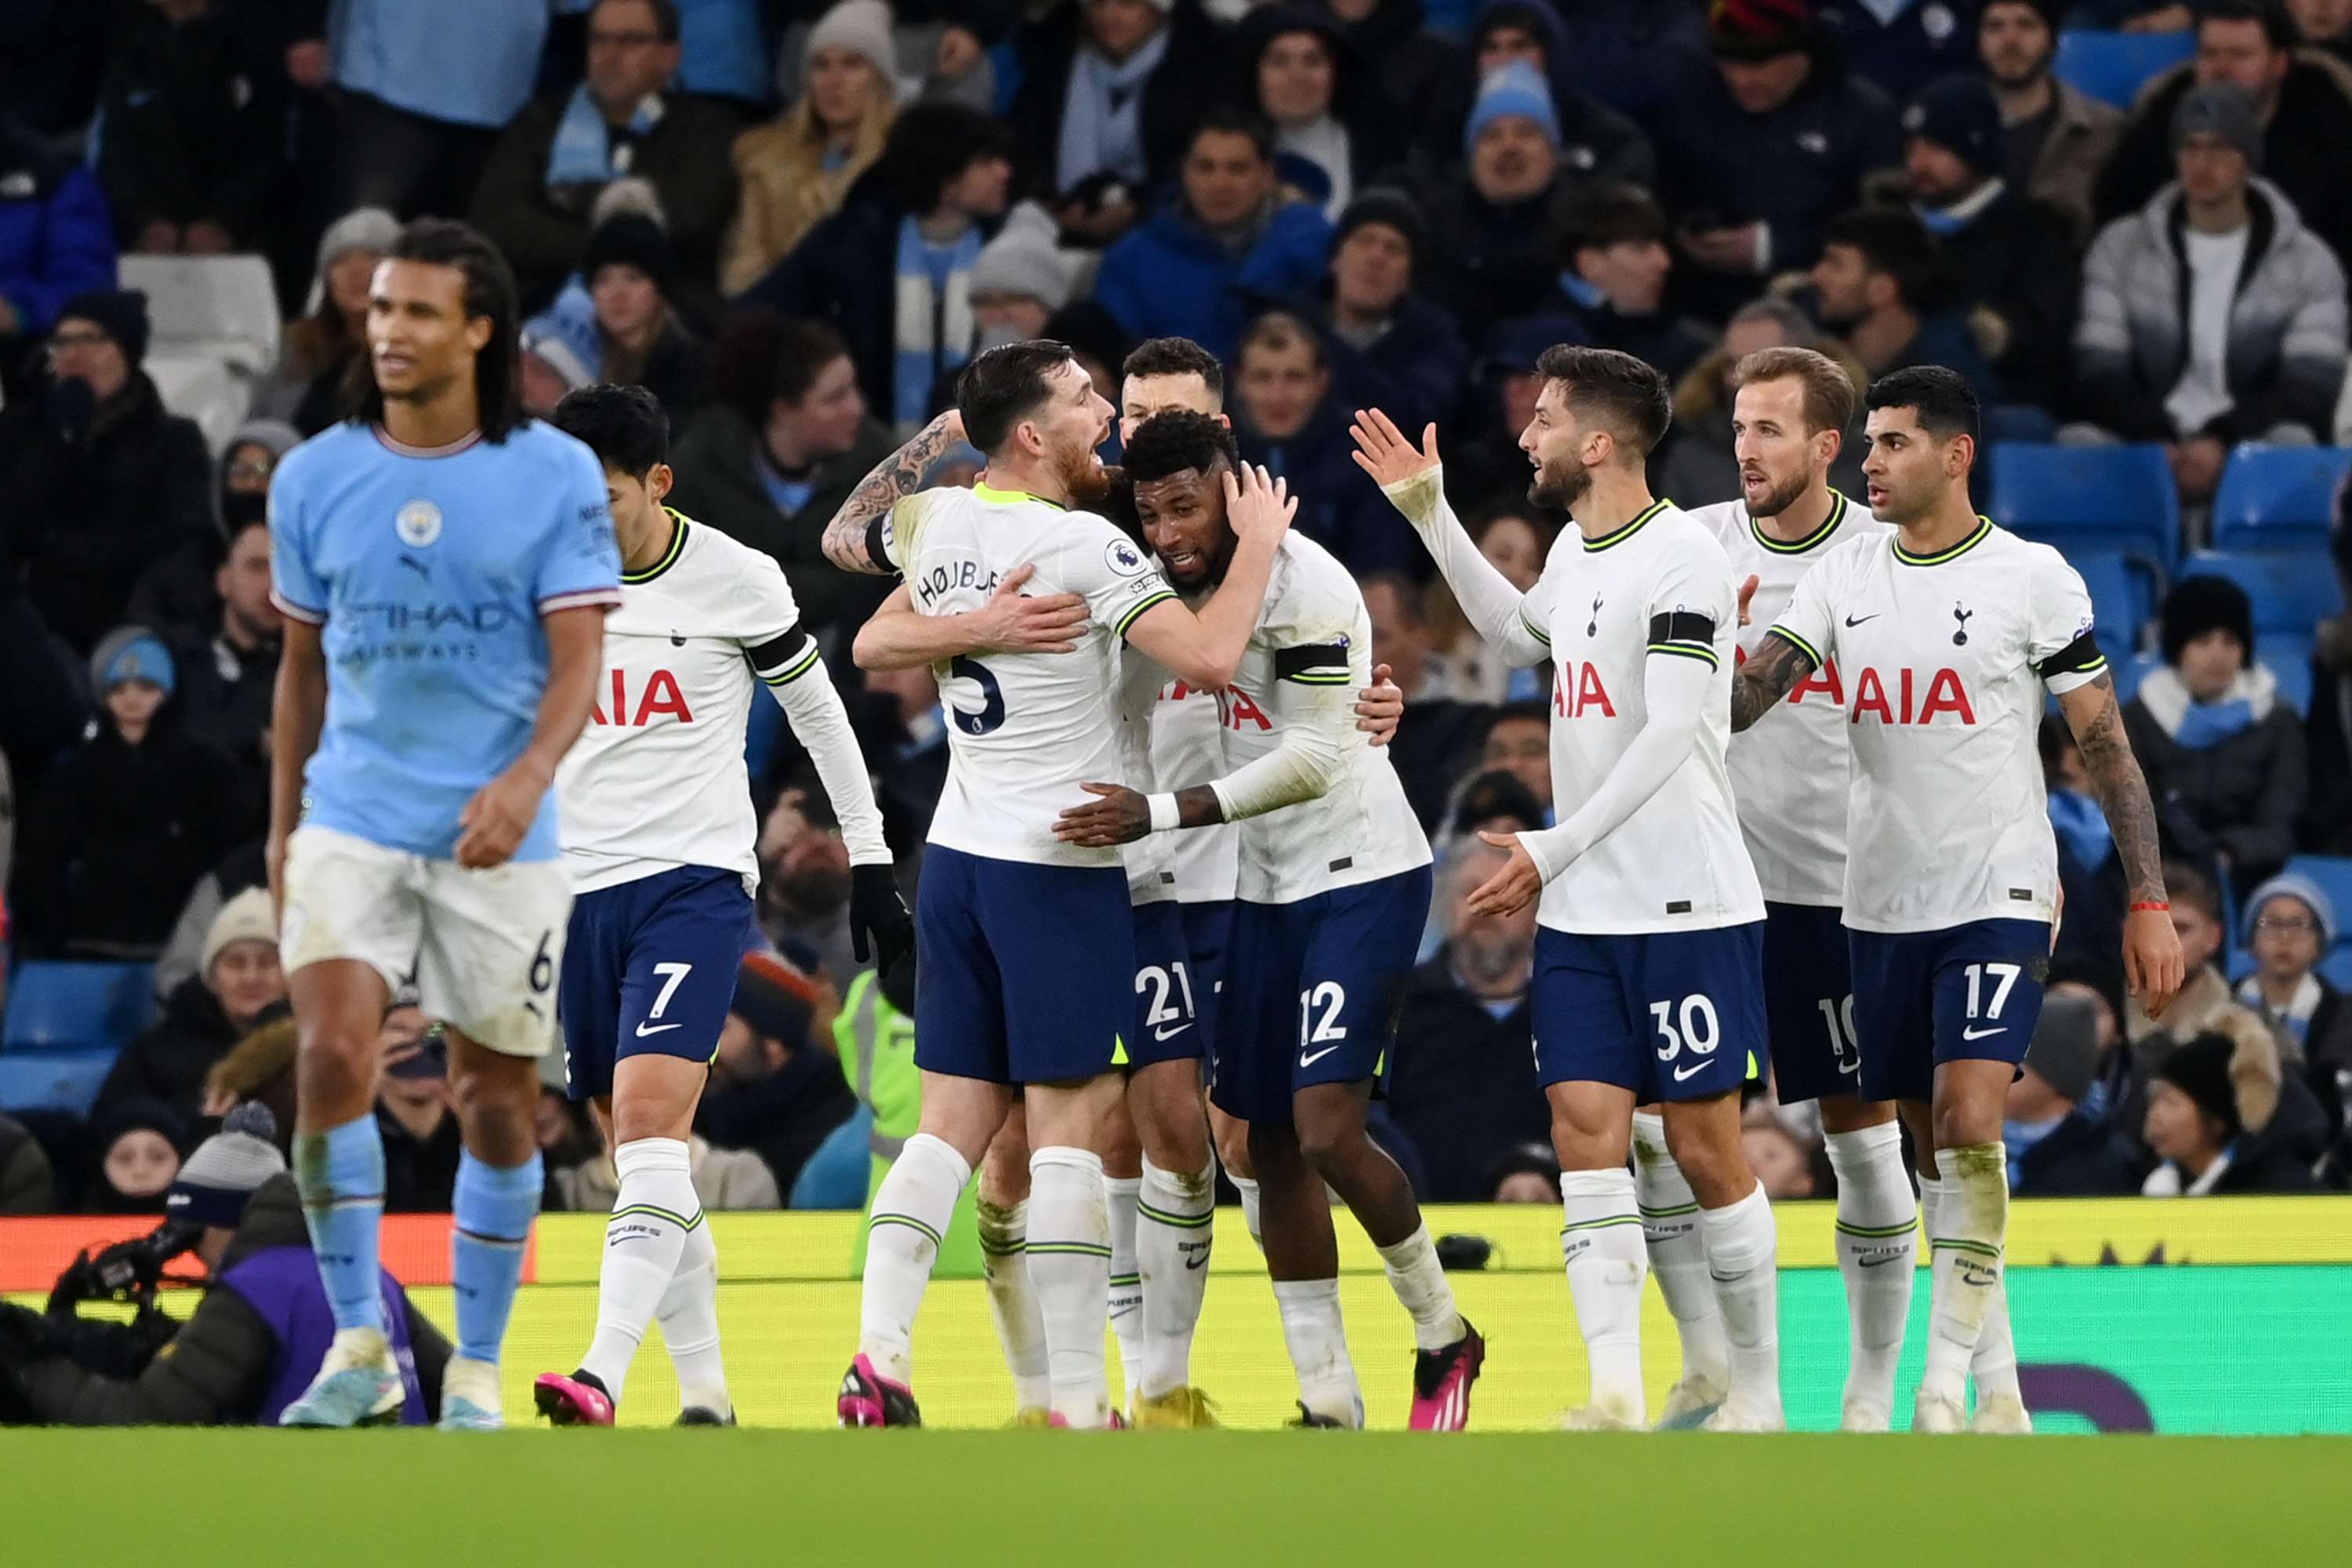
(1698, 1027)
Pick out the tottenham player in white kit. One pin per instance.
(1946, 637)
(1332, 896)
(1026, 943)
(1648, 982)
(1791, 410)
(658, 836)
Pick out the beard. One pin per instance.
(1784, 496)
(1088, 482)
(1560, 483)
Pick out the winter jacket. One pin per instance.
(26, 1184)
(191, 124)
(787, 189)
(221, 1366)
(2081, 137)
(99, 495)
(2327, 826)
(169, 1059)
(1906, 52)
(1416, 371)
(117, 837)
(781, 1118)
(719, 483)
(2017, 257)
(1171, 277)
(1175, 95)
(2237, 800)
(2082, 1157)
(1339, 507)
(420, 1174)
(1376, 124)
(1460, 1087)
(57, 232)
(1427, 76)
(1487, 262)
(2286, 342)
(1662, 339)
(225, 697)
(184, 954)
(2303, 146)
(544, 234)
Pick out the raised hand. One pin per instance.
(1382, 451)
(1259, 505)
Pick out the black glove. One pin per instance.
(880, 928)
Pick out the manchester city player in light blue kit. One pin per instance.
(445, 566)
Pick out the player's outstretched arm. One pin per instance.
(494, 822)
(1771, 672)
(855, 540)
(297, 712)
(1205, 649)
(1414, 478)
(2152, 961)
(898, 637)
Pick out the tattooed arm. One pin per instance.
(2152, 960)
(1769, 675)
(853, 540)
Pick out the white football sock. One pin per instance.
(1247, 1187)
(1070, 1267)
(1178, 1221)
(1319, 1349)
(652, 1213)
(1020, 1331)
(1126, 1279)
(689, 1315)
(1743, 1260)
(1972, 1225)
(1420, 1282)
(1993, 1367)
(1602, 1249)
(1670, 1230)
(1879, 1250)
(911, 1211)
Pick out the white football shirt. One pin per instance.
(1789, 777)
(1943, 660)
(1188, 749)
(1151, 860)
(656, 780)
(1024, 730)
(1313, 637)
(1659, 587)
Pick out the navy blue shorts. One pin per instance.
(1968, 993)
(1809, 1003)
(1312, 990)
(1676, 1015)
(649, 967)
(1023, 973)
(1167, 1026)
(1208, 938)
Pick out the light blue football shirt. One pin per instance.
(428, 575)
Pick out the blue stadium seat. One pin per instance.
(2114, 67)
(2119, 599)
(2288, 657)
(837, 1174)
(57, 1006)
(2132, 671)
(2275, 498)
(2336, 969)
(2292, 591)
(2334, 875)
(2080, 499)
(52, 1081)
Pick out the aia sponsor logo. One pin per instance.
(658, 697)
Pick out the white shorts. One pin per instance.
(483, 948)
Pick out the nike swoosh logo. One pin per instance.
(1158, 1033)
(1875, 1262)
(1690, 1072)
(644, 1029)
(1981, 1034)
(1308, 1061)
(1857, 620)
(1199, 1262)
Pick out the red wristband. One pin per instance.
(2159, 908)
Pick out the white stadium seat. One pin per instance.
(215, 332)
(204, 390)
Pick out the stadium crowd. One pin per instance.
(793, 223)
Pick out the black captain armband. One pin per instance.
(1687, 635)
(784, 658)
(1313, 664)
(2081, 656)
(878, 542)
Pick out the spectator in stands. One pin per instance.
(124, 825)
(229, 670)
(1459, 1089)
(238, 983)
(258, 1068)
(2055, 140)
(2223, 752)
(1289, 421)
(885, 270)
(771, 457)
(906, 734)
(804, 883)
(624, 119)
(57, 240)
(1518, 743)
(2302, 114)
(2009, 259)
(137, 1147)
(1390, 347)
(2204, 1001)
(775, 1089)
(190, 133)
(2327, 826)
(1696, 467)
(2290, 924)
(631, 272)
(1515, 539)
(1881, 283)
(414, 1114)
(2208, 1127)
(724, 1178)
(1526, 1174)
(2323, 24)
(1020, 279)
(1299, 72)
(1903, 45)
(1408, 66)
(307, 390)
(1597, 143)
(1614, 262)
(2213, 315)
(101, 482)
(180, 596)
(1442, 740)
(1781, 1163)
(796, 169)
(1111, 91)
(26, 1184)
(1755, 166)
(2057, 1148)
(1488, 469)
(1229, 234)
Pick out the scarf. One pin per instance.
(2164, 1181)
(934, 319)
(2201, 726)
(1102, 115)
(588, 151)
(2081, 825)
(1946, 222)
(1325, 144)
(2293, 1020)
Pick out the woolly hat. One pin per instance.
(1760, 29)
(1516, 88)
(862, 27)
(1023, 260)
(774, 999)
(248, 917)
(361, 228)
(631, 240)
(1384, 205)
(1958, 113)
(221, 1175)
(2220, 109)
(2293, 885)
(565, 338)
(131, 653)
(2200, 1069)
(2201, 604)
(274, 435)
(2065, 1045)
(120, 314)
